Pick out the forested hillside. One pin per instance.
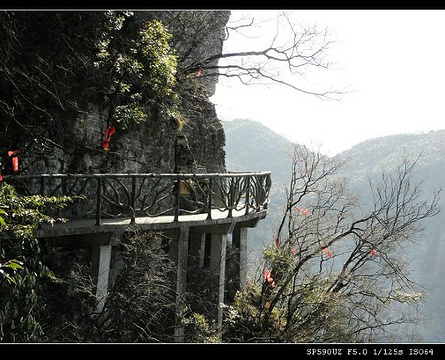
(263, 149)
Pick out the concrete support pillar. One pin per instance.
(197, 248)
(218, 266)
(100, 266)
(239, 241)
(181, 279)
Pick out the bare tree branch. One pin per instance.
(338, 268)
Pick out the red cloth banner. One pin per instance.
(15, 159)
(15, 163)
(328, 252)
(108, 132)
(268, 277)
(12, 153)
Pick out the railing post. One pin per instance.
(209, 210)
(99, 201)
(133, 200)
(231, 196)
(178, 198)
(267, 185)
(247, 193)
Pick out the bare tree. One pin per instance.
(292, 51)
(336, 271)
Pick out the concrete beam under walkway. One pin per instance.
(188, 241)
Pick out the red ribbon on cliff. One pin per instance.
(108, 132)
(15, 159)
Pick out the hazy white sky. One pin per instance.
(391, 61)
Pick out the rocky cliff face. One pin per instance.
(150, 146)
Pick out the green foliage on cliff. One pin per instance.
(139, 64)
(55, 67)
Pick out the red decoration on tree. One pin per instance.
(373, 252)
(277, 242)
(15, 163)
(199, 72)
(268, 277)
(15, 159)
(328, 252)
(12, 153)
(108, 132)
(305, 212)
(1, 177)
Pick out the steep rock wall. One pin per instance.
(148, 146)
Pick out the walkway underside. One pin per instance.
(105, 233)
(188, 233)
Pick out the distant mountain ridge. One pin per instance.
(373, 154)
(252, 146)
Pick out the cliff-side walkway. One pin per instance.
(190, 208)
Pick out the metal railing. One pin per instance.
(150, 195)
